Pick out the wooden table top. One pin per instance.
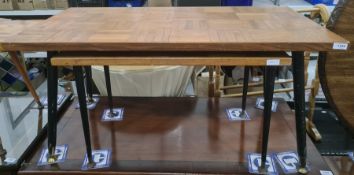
(175, 29)
(10, 28)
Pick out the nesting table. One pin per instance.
(175, 36)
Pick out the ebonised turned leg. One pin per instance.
(88, 73)
(3, 152)
(299, 98)
(245, 88)
(109, 91)
(268, 81)
(52, 108)
(80, 87)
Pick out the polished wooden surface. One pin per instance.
(175, 29)
(337, 71)
(10, 28)
(164, 58)
(173, 135)
(341, 165)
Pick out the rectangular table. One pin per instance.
(180, 29)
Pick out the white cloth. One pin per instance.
(152, 81)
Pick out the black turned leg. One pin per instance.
(80, 87)
(52, 108)
(3, 152)
(109, 91)
(245, 87)
(268, 81)
(299, 98)
(88, 73)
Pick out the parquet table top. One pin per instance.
(175, 29)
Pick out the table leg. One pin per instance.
(52, 97)
(268, 81)
(3, 152)
(89, 84)
(40, 121)
(26, 80)
(211, 83)
(299, 98)
(245, 87)
(109, 91)
(80, 87)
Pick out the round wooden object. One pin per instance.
(336, 72)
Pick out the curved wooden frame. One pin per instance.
(323, 61)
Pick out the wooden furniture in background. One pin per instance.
(337, 70)
(320, 12)
(314, 87)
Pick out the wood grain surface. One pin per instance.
(173, 135)
(10, 28)
(175, 29)
(337, 71)
(172, 58)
